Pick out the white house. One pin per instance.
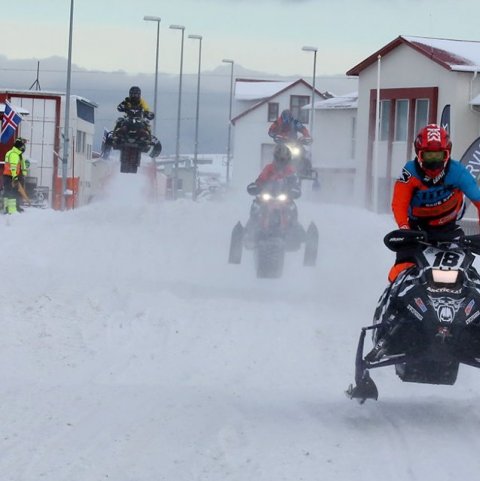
(259, 103)
(333, 151)
(417, 77)
(43, 129)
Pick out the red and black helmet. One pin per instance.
(433, 148)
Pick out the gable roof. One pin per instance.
(454, 55)
(264, 89)
(246, 89)
(342, 102)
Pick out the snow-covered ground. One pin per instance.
(131, 351)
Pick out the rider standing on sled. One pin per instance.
(285, 130)
(278, 171)
(430, 193)
(134, 101)
(287, 127)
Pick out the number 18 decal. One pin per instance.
(447, 260)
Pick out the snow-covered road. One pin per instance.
(131, 351)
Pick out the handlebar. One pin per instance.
(401, 239)
(280, 139)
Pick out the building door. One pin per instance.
(402, 113)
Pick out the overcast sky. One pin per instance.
(265, 35)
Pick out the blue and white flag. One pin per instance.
(10, 123)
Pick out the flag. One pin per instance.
(471, 159)
(445, 118)
(10, 123)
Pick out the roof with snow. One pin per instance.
(264, 91)
(17, 108)
(454, 55)
(258, 89)
(342, 102)
(41, 93)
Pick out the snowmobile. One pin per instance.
(427, 322)
(301, 158)
(132, 137)
(272, 230)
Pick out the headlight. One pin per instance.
(266, 197)
(282, 197)
(444, 277)
(295, 151)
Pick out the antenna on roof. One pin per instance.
(36, 84)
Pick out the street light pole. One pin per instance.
(229, 150)
(177, 146)
(150, 18)
(314, 50)
(66, 134)
(195, 151)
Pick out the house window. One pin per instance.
(385, 107)
(422, 107)
(401, 120)
(80, 142)
(296, 104)
(85, 111)
(272, 111)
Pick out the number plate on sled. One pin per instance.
(442, 259)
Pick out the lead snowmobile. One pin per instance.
(427, 322)
(272, 230)
(132, 137)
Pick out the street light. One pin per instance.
(195, 151)
(231, 62)
(66, 134)
(314, 50)
(150, 18)
(177, 147)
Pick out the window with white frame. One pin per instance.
(80, 142)
(422, 107)
(401, 120)
(385, 108)
(296, 104)
(273, 111)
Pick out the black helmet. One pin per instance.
(20, 144)
(281, 154)
(135, 93)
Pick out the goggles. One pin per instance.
(432, 157)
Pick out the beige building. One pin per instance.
(416, 78)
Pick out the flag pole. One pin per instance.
(375, 145)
